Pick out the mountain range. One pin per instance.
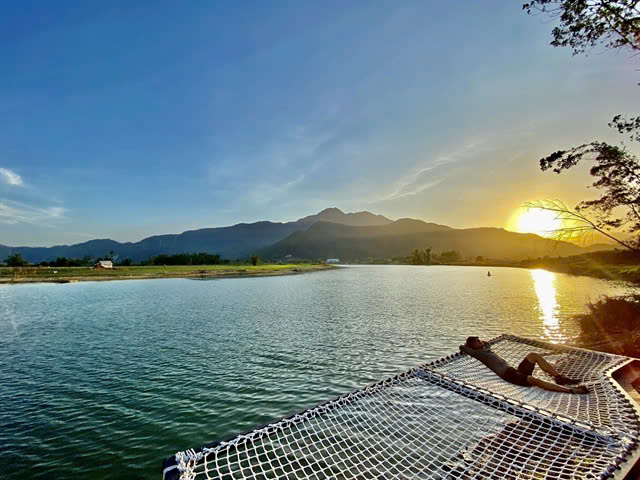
(329, 234)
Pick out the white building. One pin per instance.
(333, 260)
(104, 264)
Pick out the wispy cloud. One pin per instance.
(429, 174)
(10, 178)
(17, 212)
(274, 168)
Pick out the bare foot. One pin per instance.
(579, 389)
(562, 380)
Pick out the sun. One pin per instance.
(535, 220)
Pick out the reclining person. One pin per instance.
(522, 375)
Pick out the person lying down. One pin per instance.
(481, 351)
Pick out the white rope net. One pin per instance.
(452, 418)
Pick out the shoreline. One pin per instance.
(202, 273)
(612, 272)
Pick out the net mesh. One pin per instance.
(446, 419)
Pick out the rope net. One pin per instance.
(446, 419)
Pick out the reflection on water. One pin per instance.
(95, 373)
(544, 285)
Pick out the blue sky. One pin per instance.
(127, 119)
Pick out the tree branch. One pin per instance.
(565, 214)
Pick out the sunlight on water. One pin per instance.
(101, 380)
(544, 285)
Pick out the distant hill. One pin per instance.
(400, 238)
(237, 241)
(330, 233)
(335, 215)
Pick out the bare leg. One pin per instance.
(544, 365)
(552, 387)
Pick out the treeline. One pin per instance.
(201, 258)
(426, 257)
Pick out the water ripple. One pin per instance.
(103, 380)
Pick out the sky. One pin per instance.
(128, 119)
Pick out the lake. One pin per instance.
(105, 379)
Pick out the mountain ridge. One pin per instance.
(330, 233)
(233, 241)
(399, 239)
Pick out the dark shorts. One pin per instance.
(519, 376)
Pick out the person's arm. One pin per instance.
(477, 354)
(467, 350)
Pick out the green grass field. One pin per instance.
(30, 274)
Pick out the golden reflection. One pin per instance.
(544, 285)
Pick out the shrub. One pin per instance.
(612, 324)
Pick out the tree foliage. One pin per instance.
(617, 177)
(15, 260)
(583, 24)
(202, 258)
(68, 262)
(450, 256)
(421, 257)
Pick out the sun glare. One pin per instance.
(535, 220)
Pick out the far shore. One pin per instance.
(629, 273)
(22, 275)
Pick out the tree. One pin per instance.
(587, 23)
(15, 260)
(583, 25)
(450, 256)
(419, 257)
(254, 260)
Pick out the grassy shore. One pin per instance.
(80, 274)
(622, 266)
(611, 265)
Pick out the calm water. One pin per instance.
(103, 380)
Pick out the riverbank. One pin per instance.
(624, 273)
(88, 274)
(614, 265)
(621, 273)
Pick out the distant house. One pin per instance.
(333, 260)
(104, 264)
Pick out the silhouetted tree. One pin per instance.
(201, 258)
(419, 257)
(450, 256)
(60, 262)
(15, 260)
(254, 260)
(585, 24)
